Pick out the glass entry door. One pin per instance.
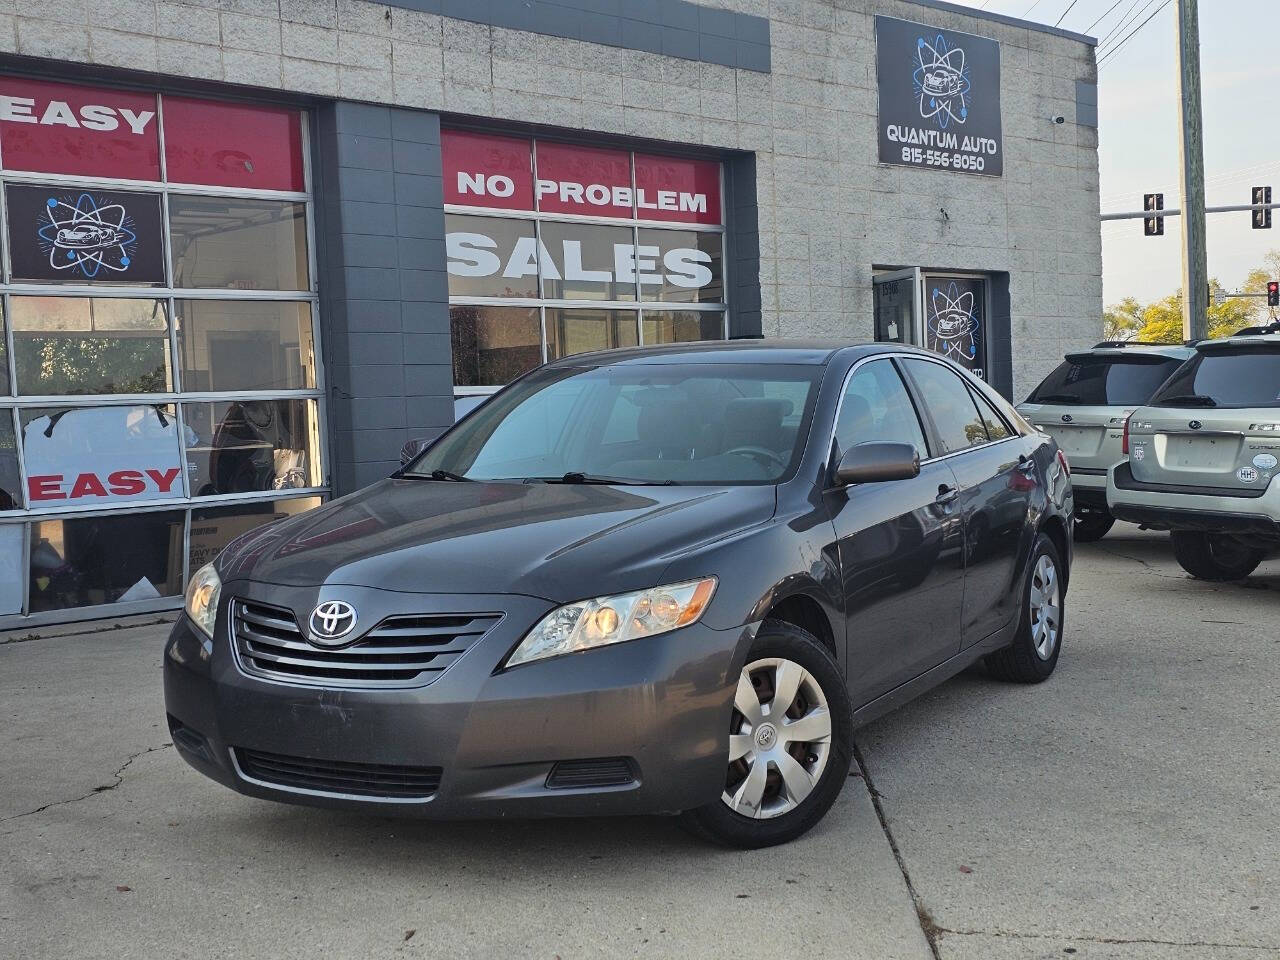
(897, 306)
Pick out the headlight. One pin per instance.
(202, 598)
(606, 620)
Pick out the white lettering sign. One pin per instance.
(58, 113)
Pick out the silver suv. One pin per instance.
(1084, 403)
(1203, 457)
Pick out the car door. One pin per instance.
(900, 542)
(997, 476)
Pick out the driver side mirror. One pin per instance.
(878, 461)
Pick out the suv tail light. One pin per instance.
(1124, 440)
(1066, 464)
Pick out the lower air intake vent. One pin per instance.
(579, 774)
(336, 777)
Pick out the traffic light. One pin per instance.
(1273, 293)
(1261, 218)
(1153, 226)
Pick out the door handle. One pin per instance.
(947, 494)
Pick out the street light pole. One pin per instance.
(1195, 268)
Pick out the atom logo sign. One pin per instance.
(87, 236)
(941, 81)
(954, 323)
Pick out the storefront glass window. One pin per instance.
(90, 345)
(241, 244)
(682, 326)
(557, 226)
(165, 390)
(88, 561)
(245, 345)
(493, 345)
(580, 330)
(241, 446)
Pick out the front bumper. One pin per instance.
(662, 704)
(1163, 510)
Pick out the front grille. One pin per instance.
(401, 651)
(339, 777)
(600, 772)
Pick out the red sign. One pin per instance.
(48, 127)
(584, 180)
(232, 145)
(118, 483)
(483, 170)
(678, 189)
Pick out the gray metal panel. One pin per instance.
(675, 28)
(1086, 103)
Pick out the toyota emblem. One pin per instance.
(331, 622)
(1195, 424)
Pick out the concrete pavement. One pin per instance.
(1125, 810)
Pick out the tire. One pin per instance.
(1033, 654)
(779, 817)
(1215, 556)
(1092, 526)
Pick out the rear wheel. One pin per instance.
(1215, 556)
(790, 743)
(1033, 654)
(1092, 524)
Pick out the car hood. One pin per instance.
(560, 542)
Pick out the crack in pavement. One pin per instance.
(89, 628)
(1150, 568)
(104, 788)
(928, 927)
(1107, 940)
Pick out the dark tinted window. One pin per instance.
(997, 429)
(876, 406)
(1246, 377)
(1104, 381)
(947, 400)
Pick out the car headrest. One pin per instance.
(669, 425)
(754, 422)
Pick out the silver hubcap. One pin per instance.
(1046, 607)
(779, 739)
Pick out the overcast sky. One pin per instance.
(1138, 119)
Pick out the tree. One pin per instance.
(1122, 321)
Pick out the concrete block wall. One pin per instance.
(828, 212)
(384, 291)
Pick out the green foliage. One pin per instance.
(1161, 320)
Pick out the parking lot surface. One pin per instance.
(1125, 810)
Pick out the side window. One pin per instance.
(876, 406)
(997, 429)
(950, 404)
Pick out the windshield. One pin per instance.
(1104, 381)
(1241, 377)
(714, 424)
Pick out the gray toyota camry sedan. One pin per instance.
(658, 580)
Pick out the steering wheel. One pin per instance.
(762, 454)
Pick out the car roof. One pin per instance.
(1122, 348)
(816, 352)
(1269, 338)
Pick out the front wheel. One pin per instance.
(1215, 556)
(790, 743)
(1033, 654)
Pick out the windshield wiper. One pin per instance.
(576, 476)
(1187, 400)
(448, 475)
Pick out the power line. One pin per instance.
(1116, 49)
(1065, 12)
(1135, 12)
(1030, 8)
(1104, 16)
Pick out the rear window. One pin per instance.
(1104, 381)
(1247, 377)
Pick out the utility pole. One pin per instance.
(1195, 268)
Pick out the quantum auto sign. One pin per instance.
(939, 96)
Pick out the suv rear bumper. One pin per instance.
(1159, 509)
